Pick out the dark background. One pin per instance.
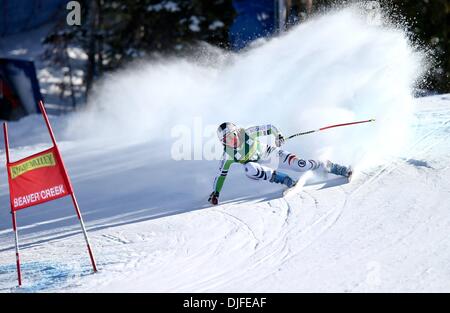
(113, 32)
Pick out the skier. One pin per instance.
(243, 146)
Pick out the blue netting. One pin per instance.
(254, 19)
(22, 15)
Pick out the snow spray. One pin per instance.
(331, 69)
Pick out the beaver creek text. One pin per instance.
(38, 196)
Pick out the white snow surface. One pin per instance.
(147, 217)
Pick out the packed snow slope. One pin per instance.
(145, 206)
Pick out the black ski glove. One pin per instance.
(280, 140)
(214, 198)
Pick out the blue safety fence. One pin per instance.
(19, 89)
(22, 15)
(255, 19)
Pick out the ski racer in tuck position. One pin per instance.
(243, 146)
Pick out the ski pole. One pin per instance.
(328, 127)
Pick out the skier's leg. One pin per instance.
(279, 158)
(257, 171)
(291, 162)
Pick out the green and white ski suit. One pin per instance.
(254, 155)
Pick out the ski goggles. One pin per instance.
(232, 139)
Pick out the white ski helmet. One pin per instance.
(224, 129)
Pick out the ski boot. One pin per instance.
(340, 170)
(282, 178)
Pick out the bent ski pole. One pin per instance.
(328, 127)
